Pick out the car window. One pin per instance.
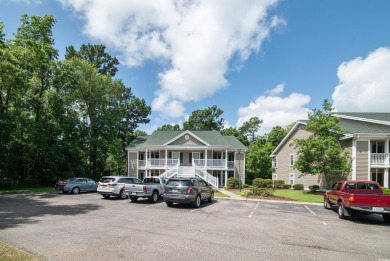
(107, 180)
(136, 181)
(351, 185)
(372, 186)
(82, 181)
(195, 183)
(91, 181)
(178, 183)
(338, 186)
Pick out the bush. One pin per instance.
(247, 193)
(232, 183)
(286, 186)
(386, 191)
(278, 183)
(298, 187)
(245, 186)
(265, 192)
(262, 183)
(314, 188)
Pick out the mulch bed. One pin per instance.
(272, 198)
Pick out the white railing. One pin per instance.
(379, 158)
(170, 172)
(158, 163)
(186, 171)
(201, 172)
(213, 163)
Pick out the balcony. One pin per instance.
(380, 158)
(162, 163)
(158, 163)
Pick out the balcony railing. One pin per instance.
(379, 158)
(213, 163)
(158, 163)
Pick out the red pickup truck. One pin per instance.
(358, 196)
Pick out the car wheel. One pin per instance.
(211, 199)
(75, 190)
(386, 218)
(327, 205)
(169, 204)
(341, 211)
(122, 195)
(133, 198)
(197, 201)
(106, 196)
(154, 197)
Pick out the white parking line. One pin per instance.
(311, 211)
(252, 212)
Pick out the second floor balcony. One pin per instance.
(380, 158)
(209, 163)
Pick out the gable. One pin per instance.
(187, 140)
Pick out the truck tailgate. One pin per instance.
(369, 200)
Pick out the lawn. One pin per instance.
(11, 253)
(27, 190)
(298, 195)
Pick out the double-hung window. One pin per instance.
(291, 159)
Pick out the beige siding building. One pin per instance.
(367, 139)
(206, 154)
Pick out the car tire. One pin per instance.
(169, 204)
(197, 201)
(327, 205)
(106, 196)
(75, 190)
(154, 197)
(341, 211)
(386, 218)
(133, 198)
(211, 199)
(122, 195)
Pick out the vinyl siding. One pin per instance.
(361, 159)
(191, 141)
(132, 164)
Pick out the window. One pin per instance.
(275, 176)
(274, 162)
(291, 179)
(154, 155)
(292, 159)
(377, 175)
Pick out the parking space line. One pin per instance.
(311, 211)
(252, 212)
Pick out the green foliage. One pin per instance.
(321, 153)
(286, 186)
(264, 192)
(169, 127)
(207, 119)
(232, 183)
(234, 132)
(250, 127)
(314, 188)
(258, 160)
(278, 183)
(386, 190)
(298, 187)
(262, 183)
(276, 135)
(245, 186)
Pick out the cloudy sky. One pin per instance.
(272, 59)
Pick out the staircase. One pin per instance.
(191, 171)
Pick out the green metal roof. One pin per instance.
(359, 128)
(212, 138)
(376, 116)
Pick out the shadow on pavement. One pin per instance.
(27, 208)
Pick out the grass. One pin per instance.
(219, 194)
(11, 253)
(298, 195)
(27, 190)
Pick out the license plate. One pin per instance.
(174, 190)
(133, 193)
(378, 209)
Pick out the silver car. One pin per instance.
(187, 190)
(115, 186)
(77, 185)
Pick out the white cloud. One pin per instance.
(364, 84)
(195, 39)
(277, 90)
(275, 110)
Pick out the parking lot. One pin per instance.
(57, 226)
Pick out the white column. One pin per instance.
(226, 177)
(205, 158)
(226, 159)
(354, 158)
(166, 159)
(146, 163)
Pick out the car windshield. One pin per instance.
(179, 183)
(107, 180)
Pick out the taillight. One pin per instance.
(189, 190)
(351, 198)
(111, 184)
(144, 189)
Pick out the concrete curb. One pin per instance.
(270, 200)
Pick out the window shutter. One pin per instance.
(190, 160)
(201, 155)
(181, 157)
(169, 155)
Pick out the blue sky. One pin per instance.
(271, 59)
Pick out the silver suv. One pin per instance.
(187, 190)
(115, 186)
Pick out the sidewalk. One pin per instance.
(234, 196)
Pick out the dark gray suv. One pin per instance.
(187, 190)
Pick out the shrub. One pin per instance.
(247, 193)
(314, 188)
(298, 186)
(265, 192)
(245, 186)
(286, 186)
(262, 183)
(278, 183)
(232, 183)
(386, 190)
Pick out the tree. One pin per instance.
(250, 127)
(169, 127)
(258, 160)
(321, 153)
(236, 133)
(207, 119)
(276, 135)
(95, 54)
